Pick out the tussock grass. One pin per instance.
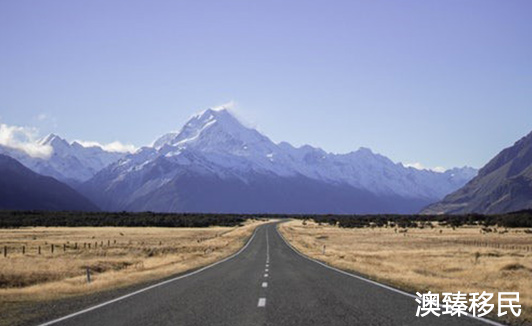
(139, 255)
(438, 259)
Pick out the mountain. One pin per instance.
(69, 163)
(21, 188)
(216, 164)
(503, 185)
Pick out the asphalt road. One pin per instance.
(267, 283)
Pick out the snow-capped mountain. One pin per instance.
(214, 163)
(71, 163)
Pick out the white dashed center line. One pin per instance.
(262, 301)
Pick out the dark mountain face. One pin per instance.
(199, 188)
(21, 188)
(266, 194)
(502, 185)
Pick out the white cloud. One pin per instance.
(419, 166)
(25, 139)
(115, 146)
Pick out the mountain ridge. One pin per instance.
(214, 144)
(70, 163)
(21, 188)
(503, 185)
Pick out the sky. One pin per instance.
(436, 83)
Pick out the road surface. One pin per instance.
(266, 283)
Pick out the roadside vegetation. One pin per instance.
(438, 256)
(47, 263)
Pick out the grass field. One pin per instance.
(438, 259)
(117, 257)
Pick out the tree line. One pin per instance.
(15, 219)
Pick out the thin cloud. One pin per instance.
(419, 166)
(41, 117)
(115, 146)
(45, 121)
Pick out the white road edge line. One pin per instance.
(151, 286)
(262, 302)
(264, 284)
(487, 321)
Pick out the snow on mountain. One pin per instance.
(216, 144)
(69, 162)
(225, 141)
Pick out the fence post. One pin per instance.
(52, 248)
(23, 250)
(39, 250)
(108, 243)
(5, 251)
(88, 274)
(64, 247)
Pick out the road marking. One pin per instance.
(267, 247)
(262, 302)
(267, 265)
(264, 284)
(265, 275)
(266, 270)
(487, 321)
(151, 286)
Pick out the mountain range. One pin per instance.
(70, 163)
(502, 185)
(216, 164)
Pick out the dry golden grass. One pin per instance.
(139, 255)
(425, 259)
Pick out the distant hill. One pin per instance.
(21, 188)
(503, 185)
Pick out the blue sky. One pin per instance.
(443, 83)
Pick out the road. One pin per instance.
(266, 283)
